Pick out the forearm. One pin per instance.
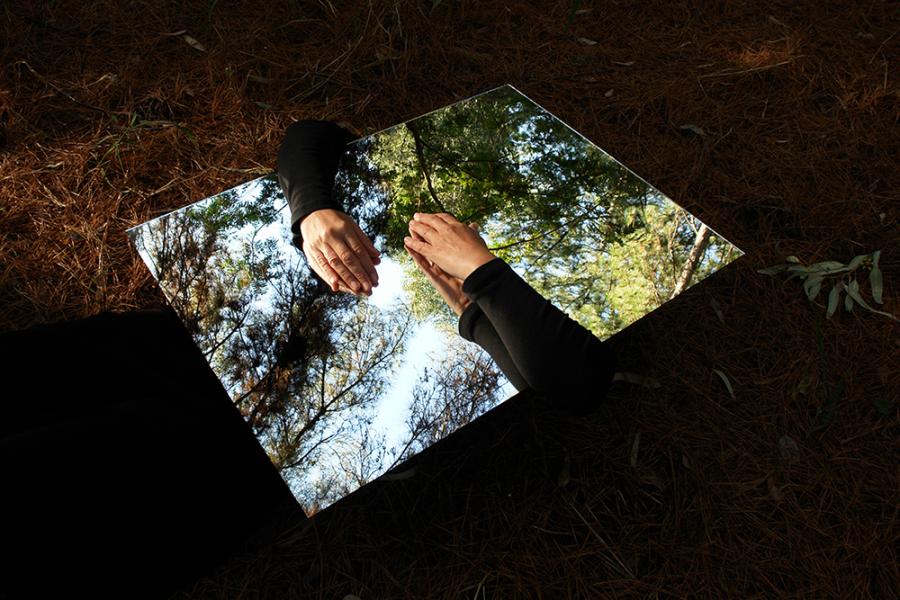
(307, 164)
(552, 353)
(474, 326)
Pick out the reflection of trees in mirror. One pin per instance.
(306, 368)
(312, 371)
(465, 385)
(292, 356)
(460, 386)
(590, 235)
(359, 188)
(330, 412)
(356, 461)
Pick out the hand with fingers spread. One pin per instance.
(339, 252)
(450, 288)
(450, 245)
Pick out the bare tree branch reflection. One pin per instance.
(463, 386)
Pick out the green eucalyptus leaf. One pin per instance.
(792, 259)
(848, 303)
(857, 260)
(853, 291)
(812, 285)
(828, 267)
(798, 271)
(875, 256)
(828, 264)
(833, 297)
(772, 270)
(875, 279)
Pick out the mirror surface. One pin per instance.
(340, 389)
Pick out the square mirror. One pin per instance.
(339, 389)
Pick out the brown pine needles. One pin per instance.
(774, 122)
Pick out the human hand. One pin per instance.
(339, 252)
(450, 288)
(455, 248)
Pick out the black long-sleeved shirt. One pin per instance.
(534, 343)
(307, 164)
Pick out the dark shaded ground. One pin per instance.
(107, 119)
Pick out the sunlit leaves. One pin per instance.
(592, 237)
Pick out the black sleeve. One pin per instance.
(307, 164)
(475, 327)
(553, 354)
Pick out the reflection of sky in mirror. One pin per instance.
(605, 247)
(425, 343)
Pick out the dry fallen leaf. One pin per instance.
(387, 52)
(724, 379)
(193, 43)
(693, 128)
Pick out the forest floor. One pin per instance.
(773, 122)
